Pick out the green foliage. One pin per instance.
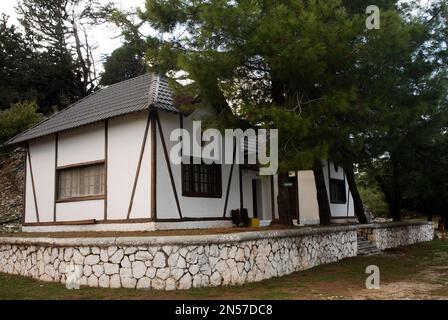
(19, 117)
(371, 195)
(124, 63)
(312, 70)
(16, 59)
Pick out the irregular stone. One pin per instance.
(92, 281)
(130, 250)
(92, 259)
(126, 272)
(239, 256)
(163, 273)
(197, 280)
(170, 284)
(111, 251)
(215, 279)
(84, 250)
(98, 270)
(104, 257)
(159, 260)
(214, 251)
(181, 263)
(125, 262)
(115, 281)
(151, 272)
(110, 268)
(167, 249)
(104, 281)
(194, 269)
(68, 254)
(172, 260)
(128, 283)
(143, 256)
(87, 271)
(117, 256)
(78, 258)
(138, 269)
(144, 283)
(158, 284)
(185, 282)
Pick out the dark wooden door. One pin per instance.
(254, 198)
(288, 196)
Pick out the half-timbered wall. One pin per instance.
(189, 207)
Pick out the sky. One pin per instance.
(106, 37)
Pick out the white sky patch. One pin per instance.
(106, 38)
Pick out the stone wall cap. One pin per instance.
(394, 224)
(176, 240)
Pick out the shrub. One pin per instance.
(19, 117)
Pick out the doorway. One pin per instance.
(288, 202)
(254, 198)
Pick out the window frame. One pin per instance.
(197, 194)
(76, 166)
(332, 199)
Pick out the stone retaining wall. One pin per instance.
(176, 262)
(396, 234)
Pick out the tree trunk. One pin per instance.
(322, 196)
(357, 201)
(396, 212)
(391, 199)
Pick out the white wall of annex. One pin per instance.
(42, 154)
(125, 142)
(82, 144)
(308, 207)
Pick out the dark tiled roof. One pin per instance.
(122, 98)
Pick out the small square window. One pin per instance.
(337, 191)
(201, 180)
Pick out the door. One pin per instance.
(255, 198)
(287, 200)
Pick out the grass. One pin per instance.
(418, 271)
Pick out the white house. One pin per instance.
(102, 165)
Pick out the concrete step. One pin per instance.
(367, 248)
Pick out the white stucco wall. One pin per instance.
(308, 207)
(80, 210)
(338, 210)
(80, 145)
(42, 154)
(191, 207)
(125, 142)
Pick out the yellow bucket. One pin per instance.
(254, 223)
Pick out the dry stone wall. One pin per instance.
(397, 234)
(181, 262)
